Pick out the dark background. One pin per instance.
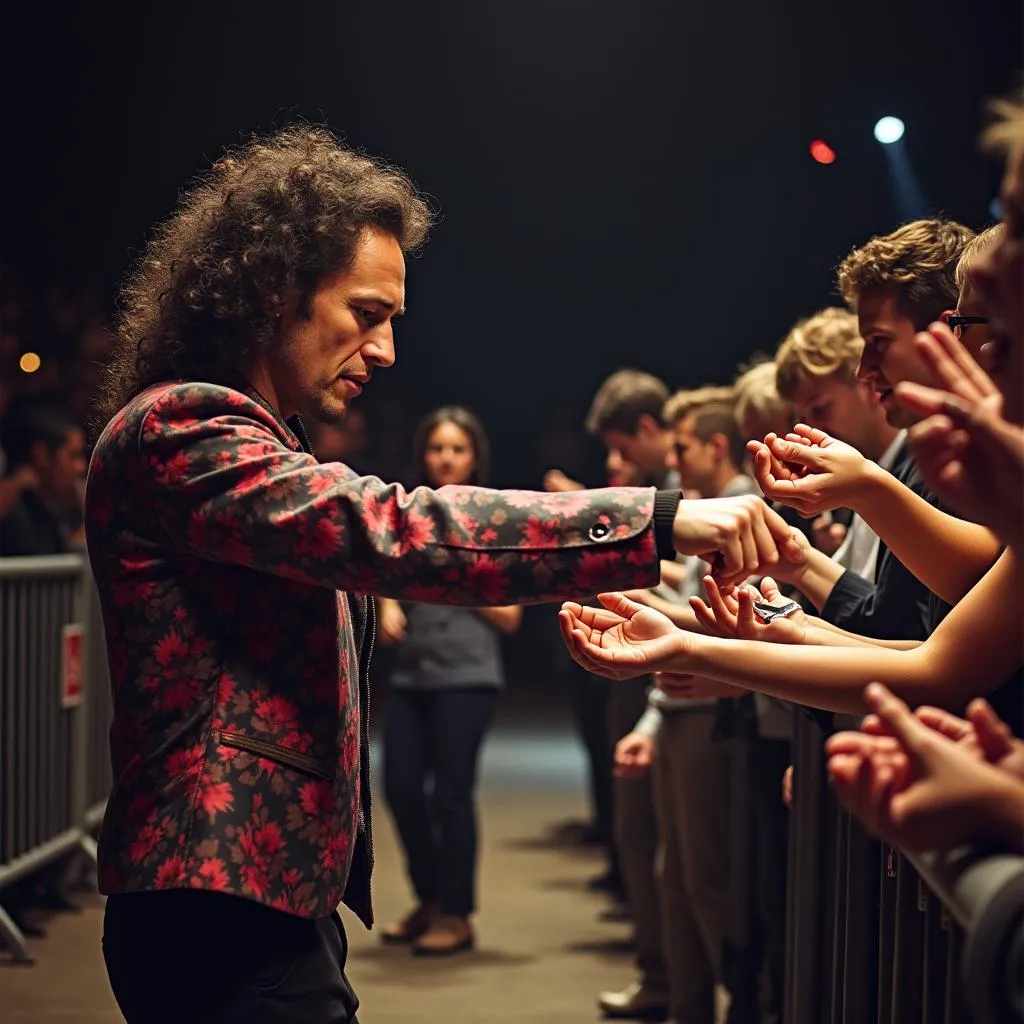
(619, 184)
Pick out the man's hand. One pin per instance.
(555, 480)
(733, 615)
(622, 639)
(680, 686)
(787, 786)
(966, 451)
(391, 623)
(634, 755)
(832, 472)
(738, 536)
(918, 789)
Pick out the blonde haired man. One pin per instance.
(757, 406)
(816, 372)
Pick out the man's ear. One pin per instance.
(720, 445)
(647, 425)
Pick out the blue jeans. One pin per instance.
(432, 744)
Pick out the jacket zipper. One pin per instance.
(364, 800)
(273, 752)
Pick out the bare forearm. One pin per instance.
(832, 678)
(504, 620)
(825, 634)
(816, 578)
(972, 652)
(948, 555)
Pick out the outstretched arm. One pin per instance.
(947, 554)
(947, 669)
(230, 485)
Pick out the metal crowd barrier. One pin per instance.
(874, 937)
(54, 716)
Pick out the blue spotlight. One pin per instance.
(889, 130)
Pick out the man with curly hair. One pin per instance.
(233, 570)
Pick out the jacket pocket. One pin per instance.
(285, 756)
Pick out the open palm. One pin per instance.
(621, 639)
(734, 614)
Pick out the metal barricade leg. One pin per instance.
(836, 858)
(886, 934)
(860, 978)
(14, 940)
(806, 969)
(908, 965)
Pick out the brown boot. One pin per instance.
(447, 934)
(411, 927)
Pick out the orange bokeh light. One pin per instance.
(822, 152)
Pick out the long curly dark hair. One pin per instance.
(271, 220)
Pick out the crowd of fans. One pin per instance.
(889, 432)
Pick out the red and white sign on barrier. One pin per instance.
(72, 665)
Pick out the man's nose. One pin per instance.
(866, 369)
(380, 349)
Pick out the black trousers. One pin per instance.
(210, 958)
(434, 737)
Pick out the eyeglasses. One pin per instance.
(957, 323)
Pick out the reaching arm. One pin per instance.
(825, 634)
(229, 486)
(971, 653)
(814, 579)
(948, 555)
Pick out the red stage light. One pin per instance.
(822, 152)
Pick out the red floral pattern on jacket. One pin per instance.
(228, 560)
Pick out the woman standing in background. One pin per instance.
(444, 687)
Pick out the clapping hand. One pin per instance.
(809, 470)
(966, 450)
(914, 786)
(983, 734)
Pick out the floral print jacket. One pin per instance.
(232, 569)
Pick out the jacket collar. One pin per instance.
(292, 428)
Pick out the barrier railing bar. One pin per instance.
(40, 567)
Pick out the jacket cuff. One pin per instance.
(666, 504)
